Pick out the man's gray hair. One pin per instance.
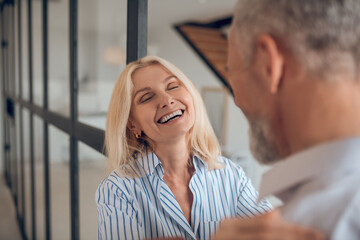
(323, 35)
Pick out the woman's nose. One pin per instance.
(166, 100)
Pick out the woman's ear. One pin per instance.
(132, 126)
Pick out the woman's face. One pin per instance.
(162, 108)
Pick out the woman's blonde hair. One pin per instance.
(120, 142)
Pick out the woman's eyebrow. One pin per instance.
(147, 88)
(141, 90)
(169, 77)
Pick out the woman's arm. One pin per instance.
(117, 215)
(248, 204)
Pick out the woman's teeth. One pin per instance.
(171, 116)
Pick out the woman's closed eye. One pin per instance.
(145, 98)
(173, 85)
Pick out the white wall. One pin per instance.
(163, 40)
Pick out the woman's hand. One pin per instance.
(266, 227)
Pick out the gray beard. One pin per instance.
(263, 150)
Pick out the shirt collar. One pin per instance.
(310, 163)
(199, 163)
(149, 162)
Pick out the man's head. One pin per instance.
(283, 54)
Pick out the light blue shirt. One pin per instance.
(320, 187)
(144, 207)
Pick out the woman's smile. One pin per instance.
(171, 116)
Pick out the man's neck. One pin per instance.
(329, 111)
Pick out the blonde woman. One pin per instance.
(168, 178)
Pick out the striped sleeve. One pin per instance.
(246, 197)
(247, 205)
(117, 213)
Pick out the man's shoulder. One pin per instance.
(325, 203)
(348, 226)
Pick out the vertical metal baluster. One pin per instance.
(136, 30)
(46, 126)
(31, 119)
(74, 161)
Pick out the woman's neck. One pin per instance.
(174, 158)
(177, 172)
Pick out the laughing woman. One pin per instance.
(167, 179)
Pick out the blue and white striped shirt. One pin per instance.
(144, 207)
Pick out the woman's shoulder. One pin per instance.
(115, 184)
(116, 193)
(117, 180)
(113, 180)
(229, 165)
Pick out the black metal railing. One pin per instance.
(93, 137)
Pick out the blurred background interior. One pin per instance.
(41, 203)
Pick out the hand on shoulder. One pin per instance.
(268, 226)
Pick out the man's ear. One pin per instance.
(273, 59)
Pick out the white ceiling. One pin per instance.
(110, 15)
(174, 11)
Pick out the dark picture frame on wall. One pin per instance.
(209, 41)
